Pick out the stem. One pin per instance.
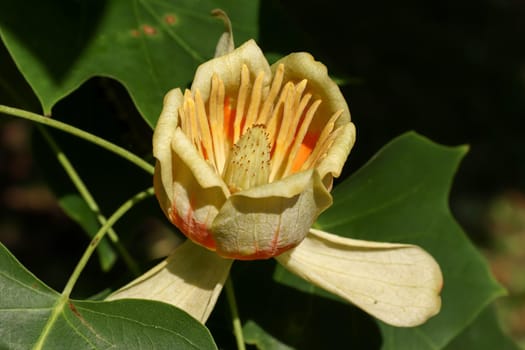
(79, 133)
(237, 328)
(88, 198)
(100, 234)
(64, 297)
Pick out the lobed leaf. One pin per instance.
(484, 333)
(401, 195)
(150, 46)
(27, 305)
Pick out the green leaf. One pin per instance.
(401, 195)
(484, 333)
(255, 335)
(27, 304)
(150, 46)
(78, 210)
(14, 89)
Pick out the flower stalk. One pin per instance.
(236, 321)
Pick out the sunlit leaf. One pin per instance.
(401, 195)
(150, 46)
(27, 305)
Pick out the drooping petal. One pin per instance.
(301, 66)
(332, 163)
(396, 283)
(191, 278)
(263, 221)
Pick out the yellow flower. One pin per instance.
(246, 158)
(245, 163)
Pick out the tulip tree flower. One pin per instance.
(245, 164)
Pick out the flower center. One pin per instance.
(258, 134)
(249, 163)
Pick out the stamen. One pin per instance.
(293, 163)
(255, 101)
(182, 116)
(191, 121)
(249, 163)
(290, 119)
(216, 117)
(262, 139)
(274, 124)
(206, 139)
(274, 90)
(299, 88)
(326, 138)
(241, 101)
(302, 105)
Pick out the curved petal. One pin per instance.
(264, 221)
(334, 160)
(188, 190)
(198, 192)
(301, 66)
(162, 135)
(191, 278)
(396, 283)
(228, 67)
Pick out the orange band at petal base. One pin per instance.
(194, 230)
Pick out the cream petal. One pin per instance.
(332, 163)
(191, 278)
(263, 221)
(162, 136)
(161, 191)
(228, 67)
(396, 283)
(301, 66)
(185, 153)
(198, 192)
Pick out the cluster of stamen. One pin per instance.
(261, 134)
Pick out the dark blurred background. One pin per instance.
(453, 71)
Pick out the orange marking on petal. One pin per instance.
(229, 117)
(305, 150)
(275, 240)
(258, 255)
(198, 232)
(204, 151)
(270, 251)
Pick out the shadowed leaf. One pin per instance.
(27, 304)
(401, 195)
(150, 46)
